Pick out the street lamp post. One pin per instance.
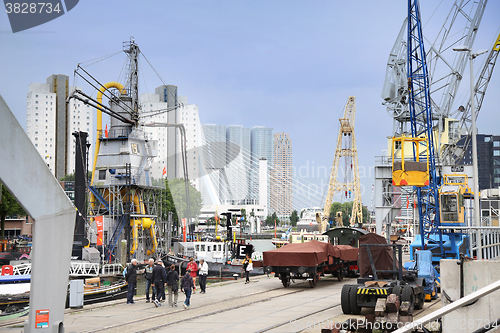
(477, 218)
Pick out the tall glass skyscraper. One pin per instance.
(261, 147)
(238, 169)
(214, 162)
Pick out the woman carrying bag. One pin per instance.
(193, 267)
(248, 267)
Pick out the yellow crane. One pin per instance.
(346, 150)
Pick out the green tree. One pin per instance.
(68, 178)
(211, 221)
(71, 177)
(336, 207)
(346, 209)
(270, 220)
(274, 217)
(168, 205)
(244, 222)
(8, 207)
(294, 218)
(366, 214)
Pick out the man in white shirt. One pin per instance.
(203, 273)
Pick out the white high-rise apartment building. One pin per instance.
(186, 114)
(281, 176)
(50, 123)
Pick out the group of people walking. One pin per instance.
(158, 278)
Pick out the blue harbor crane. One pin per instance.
(418, 167)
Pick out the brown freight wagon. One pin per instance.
(309, 261)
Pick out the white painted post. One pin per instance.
(26, 176)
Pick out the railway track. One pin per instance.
(179, 315)
(341, 318)
(166, 319)
(163, 320)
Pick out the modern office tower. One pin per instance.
(281, 176)
(51, 122)
(238, 169)
(262, 143)
(215, 188)
(488, 158)
(169, 163)
(261, 146)
(230, 163)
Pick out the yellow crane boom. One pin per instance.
(346, 149)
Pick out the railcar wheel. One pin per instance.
(286, 282)
(344, 299)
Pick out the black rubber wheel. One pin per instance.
(397, 291)
(344, 299)
(353, 301)
(408, 296)
(419, 304)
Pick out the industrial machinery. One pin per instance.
(347, 151)
(123, 196)
(420, 168)
(452, 193)
(445, 70)
(381, 270)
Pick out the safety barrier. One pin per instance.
(458, 304)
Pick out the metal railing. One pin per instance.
(112, 269)
(22, 269)
(76, 269)
(467, 300)
(84, 269)
(488, 244)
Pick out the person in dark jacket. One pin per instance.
(149, 279)
(131, 278)
(187, 286)
(159, 280)
(172, 286)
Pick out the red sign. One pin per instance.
(42, 318)
(184, 229)
(100, 232)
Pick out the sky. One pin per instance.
(286, 64)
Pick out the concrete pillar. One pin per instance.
(25, 174)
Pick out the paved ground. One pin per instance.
(261, 306)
